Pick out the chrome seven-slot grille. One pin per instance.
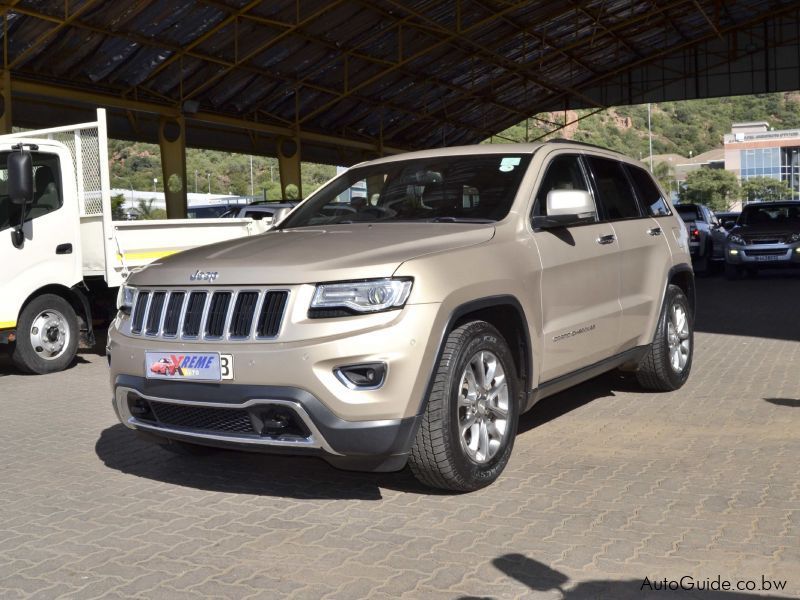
(196, 314)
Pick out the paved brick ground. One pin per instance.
(607, 485)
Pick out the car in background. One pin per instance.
(766, 235)
(270, 212)
(206, 211)
(727, 219)
(706, 235)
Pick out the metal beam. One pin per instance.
(262, 47)
(200, 39)
(19, 87)
(172, 141)
(65, 22)
(406, 60)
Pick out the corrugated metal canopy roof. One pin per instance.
(356, 77)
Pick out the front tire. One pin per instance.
(668, 361)
(467, 432)
(47, 335)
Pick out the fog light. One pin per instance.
(797, 250)
(733, 252)
(364, 376)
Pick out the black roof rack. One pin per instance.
(566, 141)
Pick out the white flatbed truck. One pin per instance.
(63, 262)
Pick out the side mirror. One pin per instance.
(565, 208)
(20, 189)
(20, 177)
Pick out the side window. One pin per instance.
(563, 173)
(47, 196)
(648, 192)
(614, 191)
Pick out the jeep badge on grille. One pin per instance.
(203, 275)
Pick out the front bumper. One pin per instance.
(233, 416)
(763, 255)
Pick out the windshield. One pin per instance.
(688, 212)
(771, 213)
(446, 189)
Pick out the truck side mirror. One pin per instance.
(20, 177)
(20, 189)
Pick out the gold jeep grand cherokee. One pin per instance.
(410, 311)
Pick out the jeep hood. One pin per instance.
(313, 254)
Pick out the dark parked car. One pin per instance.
(270, 212)
(727, 219)
(706, 235)
(766, 235)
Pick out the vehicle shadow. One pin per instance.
(793, 402)
(247, 473)
(553, 407)
(541, 578)
(756, 307)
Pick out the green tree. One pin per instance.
(716, 188)
(665, 175)
(145, 210)
(117, 213)
(766, 189)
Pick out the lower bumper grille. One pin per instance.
(207, 419)
(270, 421)
(767, 252)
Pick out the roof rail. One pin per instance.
(566, 141)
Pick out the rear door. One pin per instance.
(579, 281)
(643, 250)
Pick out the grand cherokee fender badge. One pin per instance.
(204, 275)
(574, 332)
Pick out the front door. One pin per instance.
(580, 280)
(50, 253)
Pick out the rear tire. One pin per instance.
(467, 431)
(47, 336)
(667, 364)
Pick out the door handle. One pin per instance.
(64, 249)
(606, 239)
(654, 231)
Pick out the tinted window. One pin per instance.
(471, 188)
(688, 212)
(616, 195)
(47, 191)
(648, 192)
(760, 214)
(563, 173)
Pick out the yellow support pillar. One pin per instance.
(289, 167)
(172, 140)
(5, 102)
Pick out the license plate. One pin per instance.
(194, 366)
(767, 258)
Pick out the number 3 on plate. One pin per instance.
(226, 366)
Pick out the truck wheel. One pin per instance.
(47, 335)
(470, 420)
(668, 361)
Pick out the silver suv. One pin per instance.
(416, 328)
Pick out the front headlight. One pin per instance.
(736, 239)
(125, 298)
(795, 237)
(356, 297)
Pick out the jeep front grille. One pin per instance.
(203, 314)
